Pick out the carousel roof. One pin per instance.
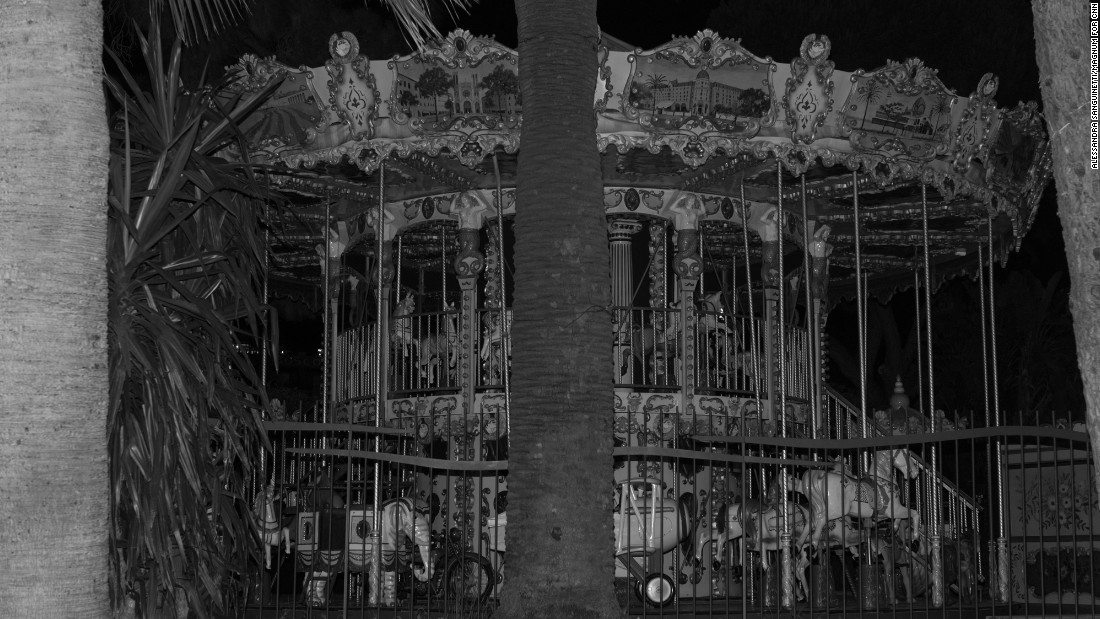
(699, 114)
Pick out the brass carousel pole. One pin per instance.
(787, 571)
(381, 351)
(985, 397)
(1002, 587)
(264, 345)
(869, 573)
(749, 574)
(326, 343)
(934, 504)
(860, 316)
(505, 327)
(771, 278)
(505, 324)
(812, 312)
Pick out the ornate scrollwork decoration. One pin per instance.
(252, 72)
(470, 261)
(975, 133)
(352, 93)
(604, 87)
(809, 94)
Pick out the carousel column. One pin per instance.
(469, 264)
(770, 278)
(384, 328)
(379, 220)
(766, 225)
(819, 250)
(688, 264)
(622, 297)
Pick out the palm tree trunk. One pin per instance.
(53, 304)
(560, 479)
(1060, 29)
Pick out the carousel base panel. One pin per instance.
(699, 607)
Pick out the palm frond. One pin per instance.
(415, 17)
(194, 16)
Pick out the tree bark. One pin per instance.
(560, 466)
(1062, 52)
(53, 291)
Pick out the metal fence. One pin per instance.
(1005, 517)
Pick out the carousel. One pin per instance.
(744, 199)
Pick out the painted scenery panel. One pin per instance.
(430, 97)
(291, 116)
(1015, 149)
(882, 117)
(667, 93)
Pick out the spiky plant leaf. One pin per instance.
(186, 266)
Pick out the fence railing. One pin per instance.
(675, 489)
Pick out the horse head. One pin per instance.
(903, 461)
(405, 306)
(712, 303)
(264, 504)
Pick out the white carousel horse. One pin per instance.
(712, 317)
(727, 345)
(496, 341)
(272, 531)
(400, 518)
(835, 494)
(759, 525)
(712, 330)
(434, 347)
(401, 329)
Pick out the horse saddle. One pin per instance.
(868, 490)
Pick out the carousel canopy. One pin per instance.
(699, 115)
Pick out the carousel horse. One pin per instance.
(496, 340)
(725, 344)
(399, 520)
(835, 494)
(401, 330)
(759, 525)
(272, 531)
(431, 349)
(712, 327)
(712, 316)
